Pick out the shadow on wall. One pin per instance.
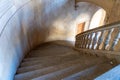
(61, 17)
(57, 16)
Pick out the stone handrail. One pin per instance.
(104, 39)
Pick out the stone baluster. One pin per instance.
(82, 42)
(77, 43)
(94, 40)
(88, 35)
(82, 38)
(87, 40)
(100, 39)
(113, 39)
(106, 39)
(90, 41)
(117, 46)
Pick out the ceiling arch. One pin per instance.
(106, 4)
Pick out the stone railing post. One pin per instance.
(100, 39)
(94, 40)
(114, 39)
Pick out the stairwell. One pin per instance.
(52, 61)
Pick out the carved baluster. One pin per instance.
(80, 39)
(100, 40)
(82, 42)
(114, 38)
(106, 39)
(81, 46)
(90, 41)
(94, 40)
(87, 40)
(117, 46)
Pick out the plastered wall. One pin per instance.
(25, 24)
(112, 8)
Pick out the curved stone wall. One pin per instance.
(25, 24)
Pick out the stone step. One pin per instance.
(80, 74)
(52, 61)
(56, 50)
(43, 71)
(90, 73)
(49, 57)
(50, 76)
(39, 66)
(58, 75)
(49, 63)
(102, 68)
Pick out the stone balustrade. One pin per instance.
(104, 40)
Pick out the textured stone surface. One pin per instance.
(25, 24)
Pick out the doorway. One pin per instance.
(80, 27)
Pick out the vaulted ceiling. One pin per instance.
(105, 4)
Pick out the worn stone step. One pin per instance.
(47, 51)
(49, 57)
(80, 74)
(87, 73)
(42, 71)
(58, 75)
(52, 61)
(39, 66)
(102, 68)
(48, 63)
(50, 76)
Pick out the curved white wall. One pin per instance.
(98, 19)
(25, 24)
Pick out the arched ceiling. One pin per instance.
(105, 4)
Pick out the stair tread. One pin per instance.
(45, 70)
(81, 73)
(53, 60)
(46, 51)
(32, 67)
(100, 69)
(46, 57)
(38, 66)
(61, 73)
